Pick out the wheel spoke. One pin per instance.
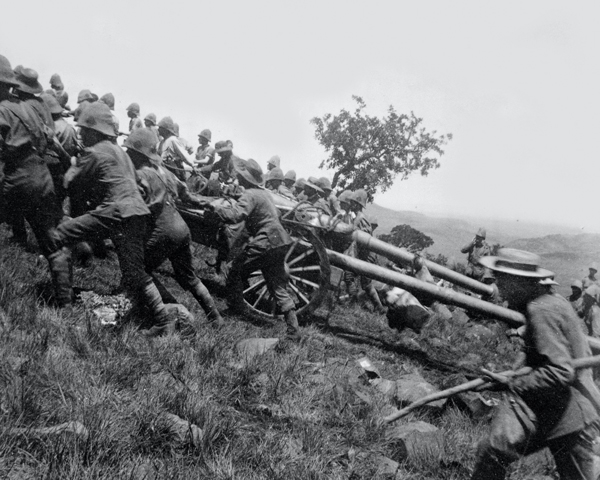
(306, 282)
(309, 268)
(254, 286)
(299, 293)
(260, 296)
(273, 306)
(291, 250)
(301, 257)
(255, 273)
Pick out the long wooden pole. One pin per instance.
(480, 384)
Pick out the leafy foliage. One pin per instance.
(369, 152)
(405, 236)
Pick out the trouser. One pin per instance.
(128, 237)
(511, 438)
(271, 263)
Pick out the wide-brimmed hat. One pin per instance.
(134, 107)
(97, 116)
(325, 184)
(150, 118)
(109, 99)
(222, 146)
(26, 80)
(206, 133)
(275, 161)
(290, 175)
(52, 103)
(275, 174)
(7, 75)
(481, 233)
(143, 140)
(359, 196)
(516, 262)
(249, 170)
(168, 124)
(312, 182)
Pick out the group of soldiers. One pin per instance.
(82, 186)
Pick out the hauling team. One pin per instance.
(129, 197)
(81, 186)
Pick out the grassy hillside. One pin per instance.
(132, 408)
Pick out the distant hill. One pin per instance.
(564, 250)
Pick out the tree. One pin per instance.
(404, 236)
(369, 152)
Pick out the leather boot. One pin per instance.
(203, 297)
(293, 330)
(374, 297)
(163, 323)
(62, 276)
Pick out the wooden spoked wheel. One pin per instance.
(308, 269)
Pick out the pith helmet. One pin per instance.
(594, 292)
(51, 103)
(275, 161)
(481, 233)
(134, 108)
(360, 197)
(7, 75)
(206, 134)
(168, 124)
(516, 262)
(325, 184)
(291, 176)
(300, 183)
(593, 266)
(27, 80)
(176, 128)
(345, 196)
(577, 284)
(85, 96)
(97, 116)
(313, 182)
(63, 97)
(275, 174)
(143, 141)
(109, 99)
(223, 146)
(56, 82)
(150, 118)
(249, 170)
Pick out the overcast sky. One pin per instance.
(516, 82)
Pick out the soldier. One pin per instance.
(150, 124)
(576, 297)
(591, 279)
(133, 112)
(591, 310)
(58, 87)
(84, 98)
(289, 180)
(168, 235)
(299, 190)
(328, 196)
(358, 202)
(187, 145)
(105, 195)
(476, 248)
(267, 245)
(171, 150)
(552, 406)
(313, 192)
(27, 187)
(65, 133)
(224, 167)
(109, 100)
(494, 297)
(274, 162)
(205, 154)
(274, 179)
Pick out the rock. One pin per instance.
(416, 438)
(143, 471)
(412, 387)
(369, 370)
(385, 466)
(251, 347)
(477, 406)
(460, 317)
(76, 429)
(387, 387)
(441, 311)
(182, 431)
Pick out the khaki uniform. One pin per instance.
(266, 248)
(474, 270)
(135, 123)
(174, 156)
(205, 156)
(553, 406)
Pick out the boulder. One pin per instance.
(416, 438)
(251, 347)
(182, 432)
(413, 387)
(460, 317)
